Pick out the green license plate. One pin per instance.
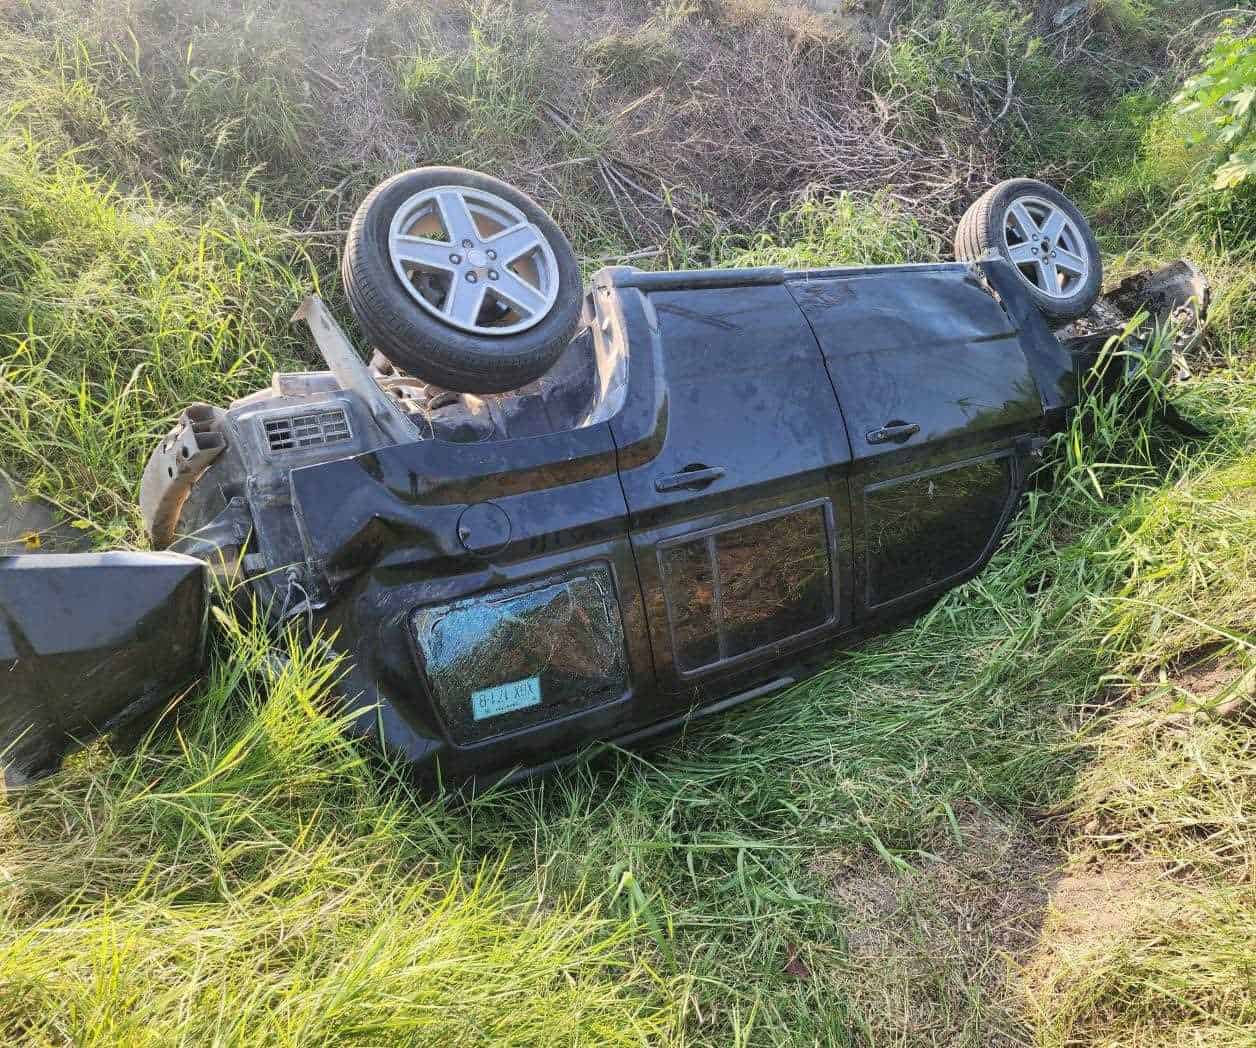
(506, 698)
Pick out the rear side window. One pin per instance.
(737, 589)
(927, 528)
(515, 657)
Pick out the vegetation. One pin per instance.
(1226, 90)
(1026, 818)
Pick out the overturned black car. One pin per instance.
(546, 515)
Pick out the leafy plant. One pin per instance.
(1225, 93)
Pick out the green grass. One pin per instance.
(836, 865)
(252, 879)
(641, 59)
(837, 230)
(116, 313)
(484, 97)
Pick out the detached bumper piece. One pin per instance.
(1174, 298)
(90, 643)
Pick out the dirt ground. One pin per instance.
(934, 949)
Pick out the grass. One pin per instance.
(882, 855)
(836, 230)
(253, 880)
(118, 312)
(481, 94)
(642, 58)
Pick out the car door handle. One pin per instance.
(892, 431)
(689, 478)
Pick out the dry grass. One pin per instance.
(1147, 961)
(929, 944)
(1148, 938)
(818, 126)
(627, 120)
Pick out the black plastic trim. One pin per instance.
(694, 279)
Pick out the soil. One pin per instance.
(1089, 909)
(31, 526)
(934, 950)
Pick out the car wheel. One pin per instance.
(461, 279)
(1044, 237)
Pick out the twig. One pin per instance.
(326, 79)
(639, 102)
(610, 188)
(563, 163)
(649, 252)
(628, 183)
(1007, 97)
(1213, 14)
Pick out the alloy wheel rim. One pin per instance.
(473, 260)
(1046, 246)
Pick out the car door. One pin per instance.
(737, 499)
(940, 406)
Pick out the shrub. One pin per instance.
(1225, 93)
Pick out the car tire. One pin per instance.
(413, 268)
(1044, 237)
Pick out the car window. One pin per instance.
(926, 528)
(511, 658)
(742, 587)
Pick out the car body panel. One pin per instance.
(754, 445)
(723, 588)
(406, 526)
(927, 504)
(89, 642)
(931, 348)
